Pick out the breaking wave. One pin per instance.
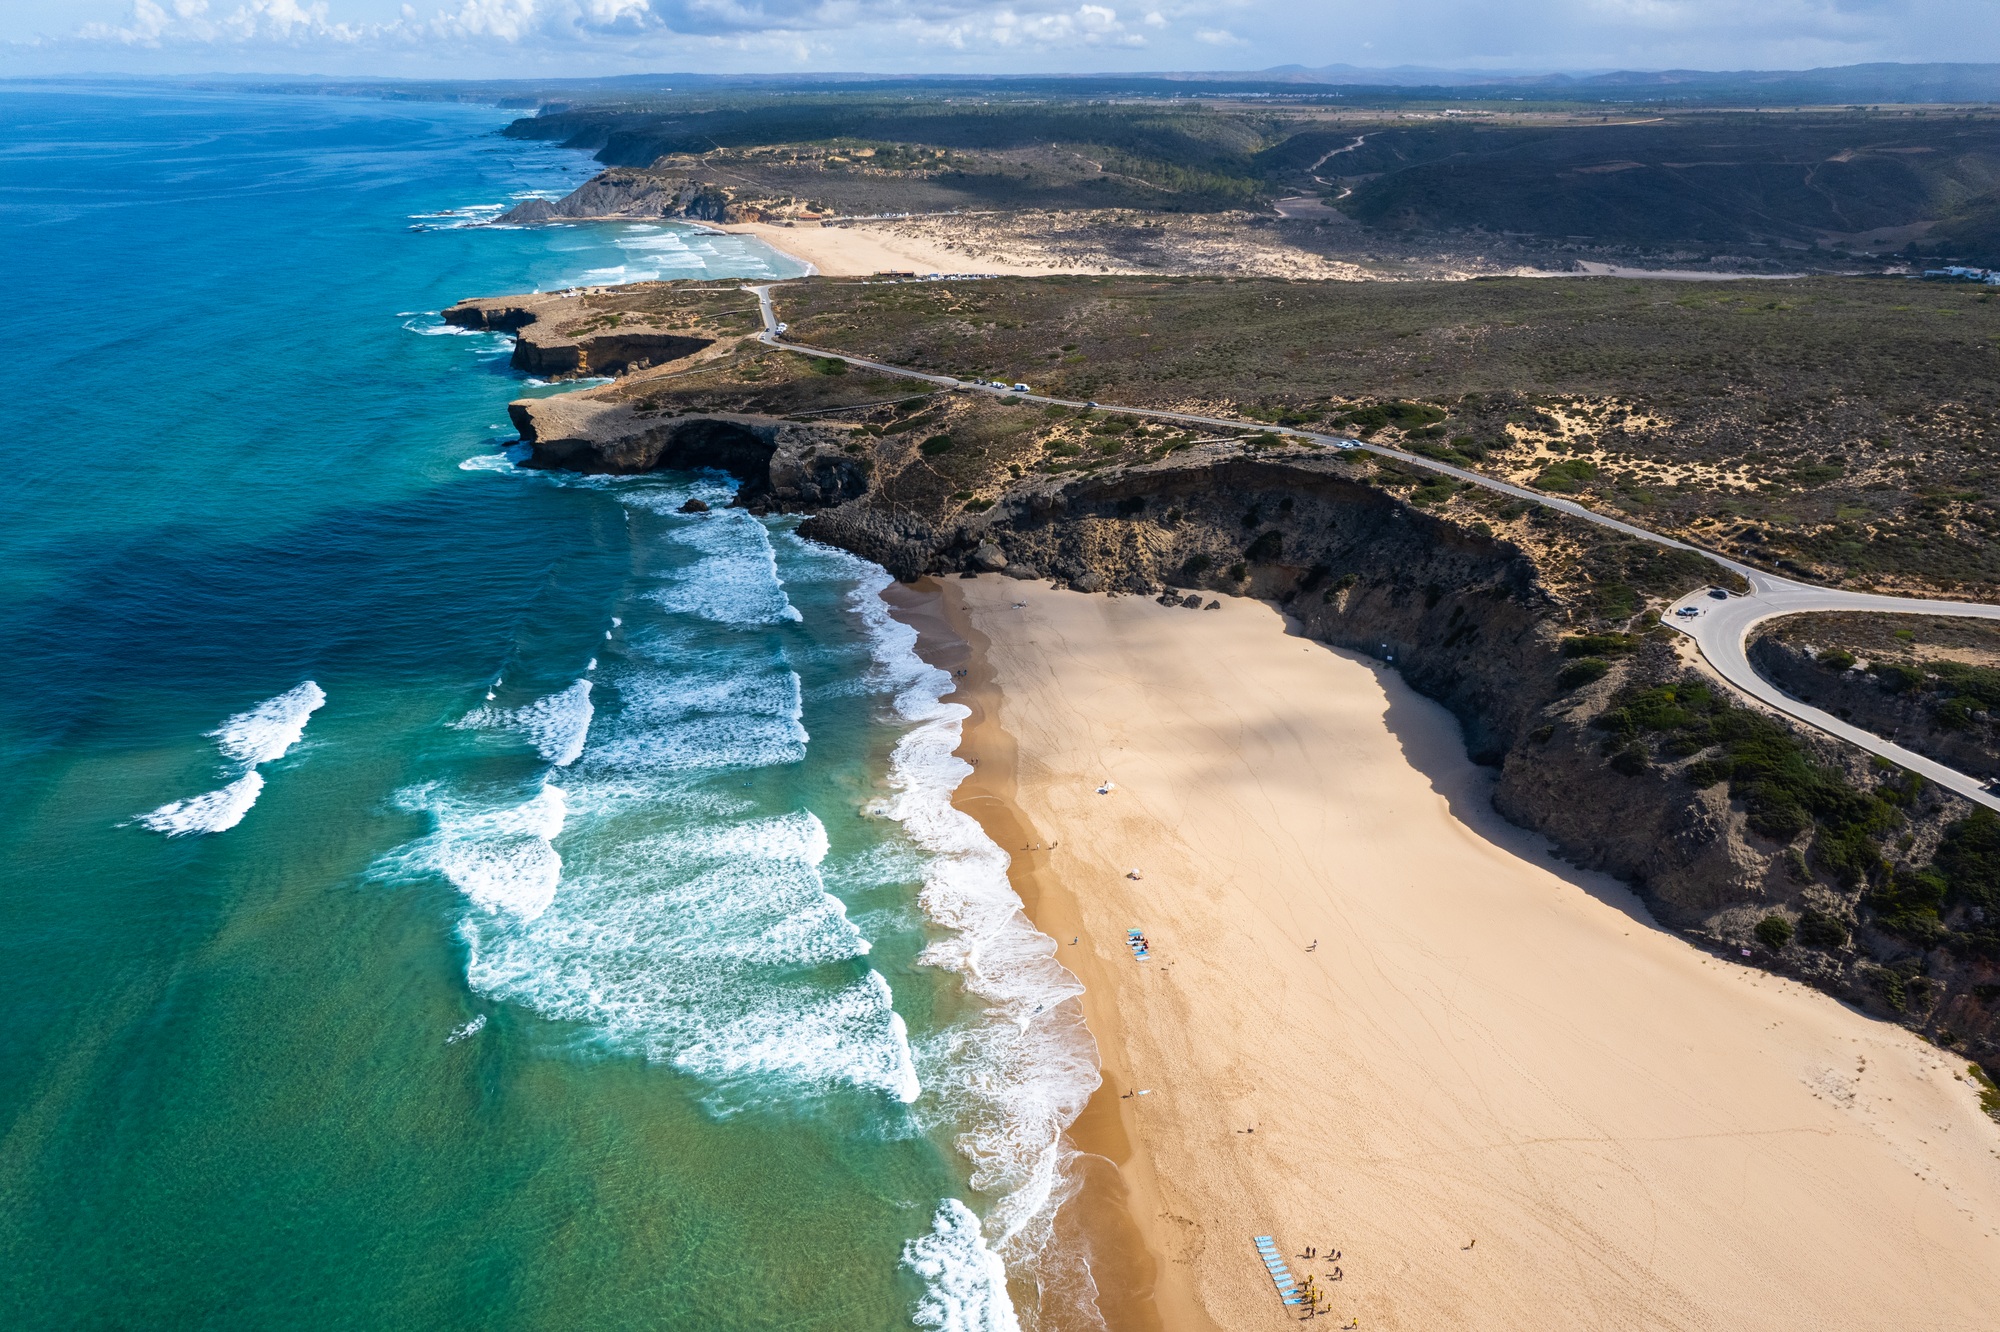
(263, 734)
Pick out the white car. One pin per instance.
(1021, 388)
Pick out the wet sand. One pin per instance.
(1377, 1018)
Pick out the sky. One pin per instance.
(557, 38)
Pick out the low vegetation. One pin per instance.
(1844, 430)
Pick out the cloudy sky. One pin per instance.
(530, 38)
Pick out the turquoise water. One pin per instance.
(436, 894)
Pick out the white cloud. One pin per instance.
(528, 37)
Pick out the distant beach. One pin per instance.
(1376, 1020)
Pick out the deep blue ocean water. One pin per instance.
(436, 894)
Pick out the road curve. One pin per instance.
(1720, 630)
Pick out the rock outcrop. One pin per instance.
(782, 464)
(543, 348)
(1899, 705)
(628, 193)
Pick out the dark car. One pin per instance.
(1718, 594)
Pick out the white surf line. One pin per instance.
(1793, 597)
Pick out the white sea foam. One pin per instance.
(736, 579)
(500, 856)
(508, 459)
(466, 1030)
(693, 946)
(556, 725)
(210, 812)
(261, 735)
(1014, 1080)
(266, 731)
(966, 1282)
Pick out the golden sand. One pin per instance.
(1505, 1096)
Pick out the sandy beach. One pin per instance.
(859, 249)
(1379, 1020)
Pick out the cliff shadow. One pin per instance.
(1433, 743)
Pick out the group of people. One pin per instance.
(1317, 1303)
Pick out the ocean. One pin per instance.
(436, 894)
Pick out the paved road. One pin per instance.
(1721, 629)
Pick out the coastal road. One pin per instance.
(1720, 629)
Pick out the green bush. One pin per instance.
(1566, 478)
(1836, 659)
(1783, 790)
(828, 365)
(1581, 672)
(1598, 645)
(935, 445)
(1821, 929)
(1896, 677)
(1196, 565)
(1774, 932)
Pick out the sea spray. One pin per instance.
(260, 735)
(209, 812)
(966, 1281)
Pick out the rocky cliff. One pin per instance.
(629, 193)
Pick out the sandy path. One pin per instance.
(1485, 1045)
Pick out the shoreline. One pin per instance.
(1508, 1096)
(1100, 1215)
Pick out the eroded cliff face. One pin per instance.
(782, 464)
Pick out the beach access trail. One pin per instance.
(1484, 1045)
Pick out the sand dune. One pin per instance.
(1484, 1045)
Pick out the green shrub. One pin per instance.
(1896, 677)
(1784, 791)
(1774, 932)
(1598, 645)
(935, 445)
(1821, 929)
(1906, 903)
(1238, 572)
(1581, 672)
(1631, 760)
(828, 365)
(1196, 565)
(1566, 478)
(1836, 659)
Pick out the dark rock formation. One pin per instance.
(782, 464)
(623, 193)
